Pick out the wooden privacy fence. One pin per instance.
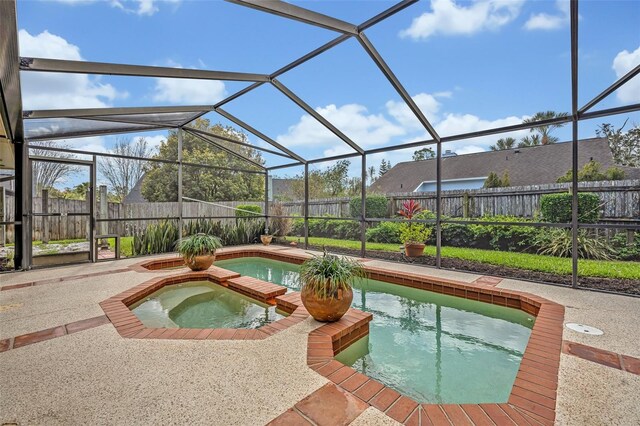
(620, 201)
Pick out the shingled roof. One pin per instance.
(526, 166)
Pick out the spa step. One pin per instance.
(258, 289)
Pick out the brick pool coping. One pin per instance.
(533, 396)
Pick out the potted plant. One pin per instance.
(326, 285)
(413, 235)
(267, 237)
(199, 250)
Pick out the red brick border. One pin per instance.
(607, 358)
(128, 325)
(52, 333)
(533, 395)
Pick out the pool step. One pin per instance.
(261, 290)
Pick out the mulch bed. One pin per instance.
(618, 285)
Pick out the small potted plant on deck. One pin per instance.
(267, 237)
(413, 235)
(199, 250)
(326, 285)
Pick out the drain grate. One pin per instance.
(585, 329)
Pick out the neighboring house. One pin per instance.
(135, 195)
(535, 165)
(282, 188)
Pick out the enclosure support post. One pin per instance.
(180, 183)
(439, 205)
(45, 219)
(266, 202)
(363, 210)
(306, 206)
(92, 194)
(22, 200)
(574, 142)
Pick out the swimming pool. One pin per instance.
(202, 304)
(431, 347)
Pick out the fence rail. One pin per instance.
(620, 201)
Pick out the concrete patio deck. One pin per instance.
(95, 376)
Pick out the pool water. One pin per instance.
(431, 347)
(202, 304)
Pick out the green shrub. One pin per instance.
(556, 208)
(256, 210)
(385, 232)
(244, 232)
(156, 238)
(455, 235)
(624, 250)
(502, 237)
(328, 228)
(376, 206)
(558, 242)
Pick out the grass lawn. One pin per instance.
(532, 262)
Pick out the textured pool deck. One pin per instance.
(94, 376)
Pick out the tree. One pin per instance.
(506, 180)
(333, 181)
(494, 181)
(625, 147)
(385, 166)
(371, 172)
(503, 143)
(423, 154)
(530, 140)
(160, 182)
(47, 174)
(590, 172)
(544, 131)
(123, 173)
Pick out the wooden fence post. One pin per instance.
(465, 204)
(45, 219)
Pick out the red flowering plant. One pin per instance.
(413, 233)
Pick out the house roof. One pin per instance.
(526, 166)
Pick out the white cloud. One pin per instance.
(187, 91)
(139, 7)
(448, 18)
(427, 103)
(56, 90)
(454, 124)
(402, 127)
(624, 62)
(545, 21)
(364, 129)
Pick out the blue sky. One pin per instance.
(468, 65)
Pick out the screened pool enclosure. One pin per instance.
(187, 184)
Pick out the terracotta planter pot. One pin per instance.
(200, 263)
(327, 310)
(414, 250)
(266, 239)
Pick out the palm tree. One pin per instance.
(503, 143)
(531, 140)
(544, 131)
